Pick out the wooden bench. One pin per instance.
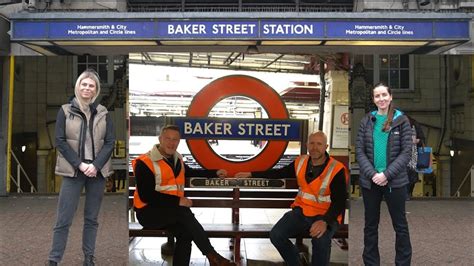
(236, 198)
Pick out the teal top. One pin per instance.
(380, 144)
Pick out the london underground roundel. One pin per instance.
(237, 85)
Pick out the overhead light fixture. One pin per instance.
(252, 49)
(405, 4)
(424, 2)
(451, 152)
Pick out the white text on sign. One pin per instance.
(225, 129)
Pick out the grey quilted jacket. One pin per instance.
(398, 150)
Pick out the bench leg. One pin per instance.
(168, 247)
(237, 256)
(132, 215)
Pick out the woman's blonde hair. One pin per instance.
(92, 74)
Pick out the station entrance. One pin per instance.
(435, 89)
(323, 54)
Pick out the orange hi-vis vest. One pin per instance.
(165, 180)
(315, 198)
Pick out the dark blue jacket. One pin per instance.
(398, 150)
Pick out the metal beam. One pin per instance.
(244, 15)
(228, 58)
(274, 60)
(233, 59)
(322, 96)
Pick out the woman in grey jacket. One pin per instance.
(383, 151)
(84, 141)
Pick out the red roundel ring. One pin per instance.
(237, 85)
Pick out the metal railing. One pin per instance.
(17, 180)
(469, 173)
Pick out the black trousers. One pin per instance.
(184, 226)
(395, 199)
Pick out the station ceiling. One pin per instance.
(275, 47)
(268, 62)
(280, 56)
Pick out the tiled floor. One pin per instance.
(26, 227)
(147, 251)
(441, 232)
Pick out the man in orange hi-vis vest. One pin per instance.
(159, 199)
(318, 206)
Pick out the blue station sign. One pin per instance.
(239, 30)
(243, 129)
(380, 30)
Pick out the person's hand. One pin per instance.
(91, 171)
(83, 167)
(88, 169)
(318, 228)
(243, 175)
(185, 202)
(380, 179)
(221, 173)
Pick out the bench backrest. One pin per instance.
(237, 197)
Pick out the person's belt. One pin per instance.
(87, 161)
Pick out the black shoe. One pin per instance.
(51, 263)
(303, 260)
(89, 261)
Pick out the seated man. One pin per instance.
(159, 198)
(319, 205)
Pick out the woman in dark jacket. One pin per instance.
(85, 141)
(383, 151)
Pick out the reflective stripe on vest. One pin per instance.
(170, 188)
(314, 198)
(321, 198)
(154, 166)
(300, 163)
(311, 197)
(158, 179)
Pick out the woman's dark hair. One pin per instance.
(391, 110)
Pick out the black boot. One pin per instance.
(89, 261)
(215, 259)
(303, 260)
(51, 263)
